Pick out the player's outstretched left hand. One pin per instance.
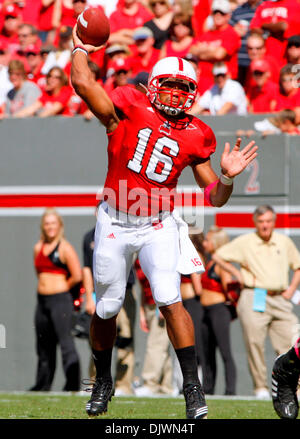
(235, 161)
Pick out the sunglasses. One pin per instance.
(79, 1)
(258, 73)
(2, 52)
(30, 54)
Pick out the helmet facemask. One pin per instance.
(179, 101)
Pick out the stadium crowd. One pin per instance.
(246, 53)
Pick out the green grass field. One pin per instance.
(56, 406)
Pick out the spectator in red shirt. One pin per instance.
(30, 12)
(280, 19)
(35, 62)
(144, 54)
(257, 50)
(45, 23)
(262, 90)
(12, 21)
(121, 72)
(181, 37)
(292, 54)
(64, 14)
(201, 10)
(55, 98)
(288, 95)
(113, 52)
(76, 105)
(129, 15)
(27, 36)
(218, 44)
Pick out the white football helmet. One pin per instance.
(176, 69)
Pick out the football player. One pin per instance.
(151, 139)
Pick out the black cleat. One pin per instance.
(101, 394)
(196, 407)
(285, 377)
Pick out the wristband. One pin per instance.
(207, 191)
(227, 181)
(80, 49)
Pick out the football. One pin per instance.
(93, 26)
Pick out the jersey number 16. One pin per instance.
(157, 156)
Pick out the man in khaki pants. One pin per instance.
(265, 258)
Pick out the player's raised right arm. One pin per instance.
(88, 89)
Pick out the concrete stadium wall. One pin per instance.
(63, 157)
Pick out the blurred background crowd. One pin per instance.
(246, 54)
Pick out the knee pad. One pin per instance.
(109, 299)
(107, 308)
(166, 290)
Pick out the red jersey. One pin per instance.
(210, 280)
(50, 263)
(178, 53)
(45, 17)
(63, 97)
(274, 71)
(260, 98)
(202, 9)
(37, 76)
(287, 102)
(148, 151)
(230, 41)
(30, 12)
(139, 65)
(68, 17)
(274, 12)
(120, 20)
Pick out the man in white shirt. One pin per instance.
(224, 97)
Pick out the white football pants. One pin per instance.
(117, 238)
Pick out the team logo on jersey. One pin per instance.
(165, 128)
(190, 126)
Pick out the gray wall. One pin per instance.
(72, 152)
